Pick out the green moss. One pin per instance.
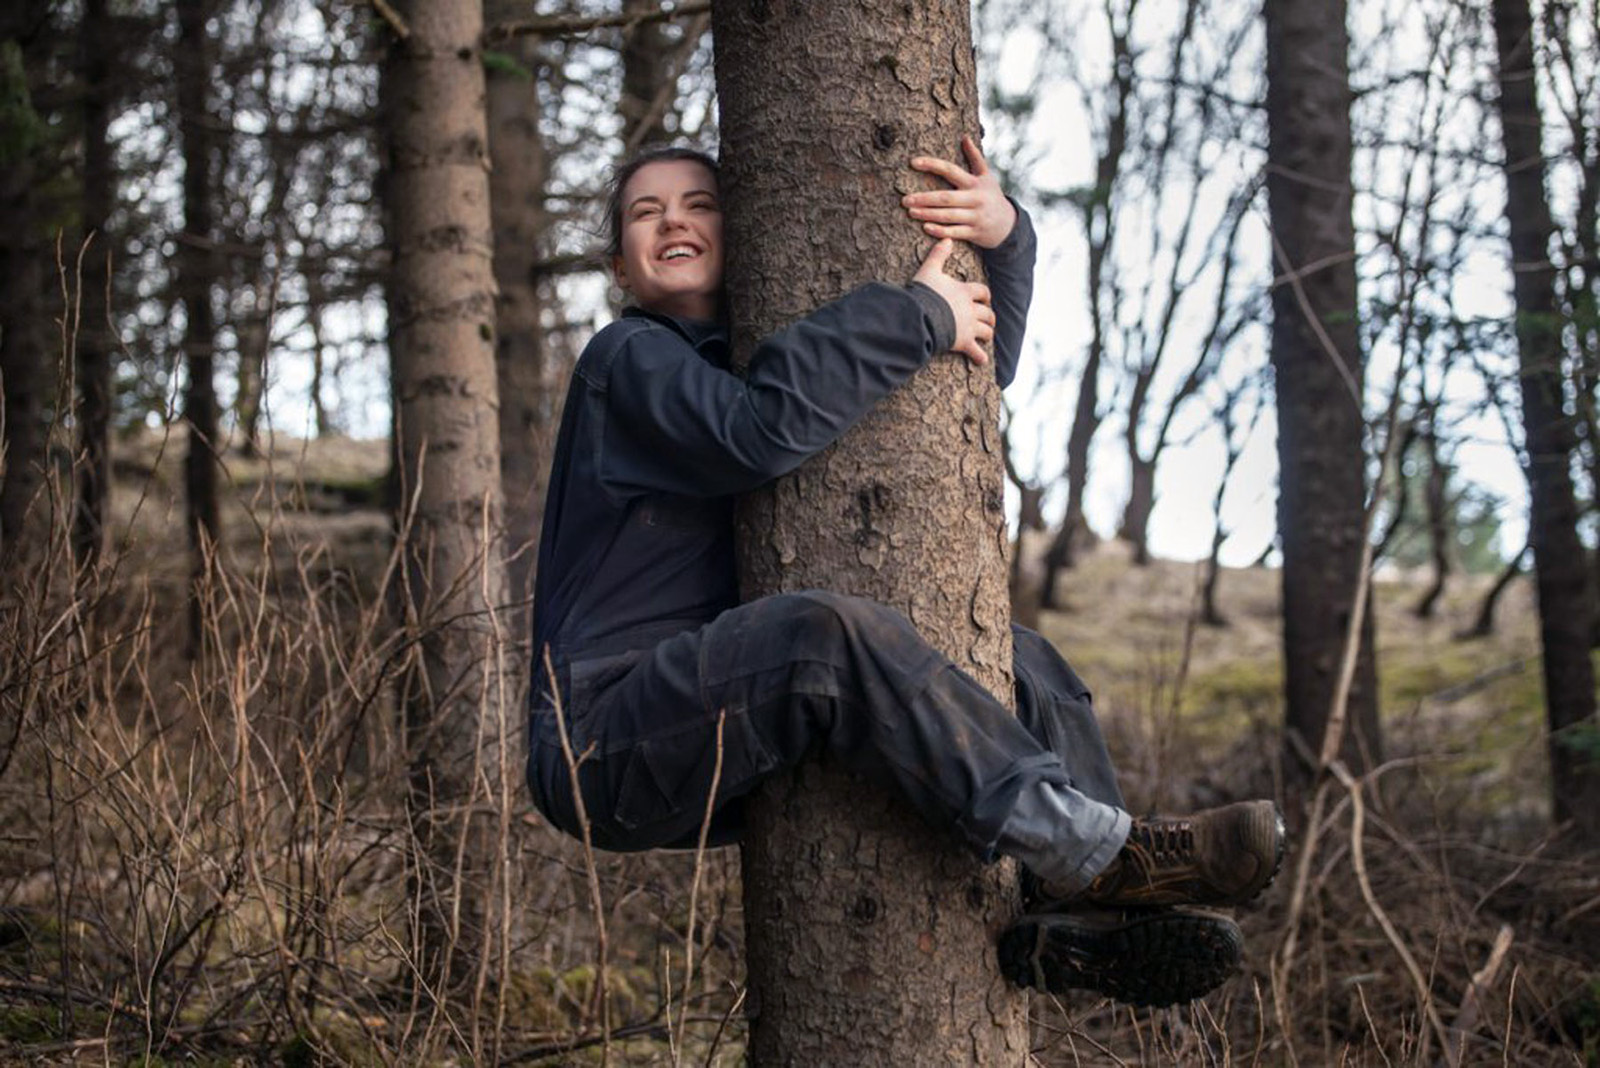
(1409, 675)
(25, 1024)
(1236, 686)
(335, 1038)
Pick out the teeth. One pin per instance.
(677, 254)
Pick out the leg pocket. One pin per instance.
(669, 776)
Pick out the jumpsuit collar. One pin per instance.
(709, 337)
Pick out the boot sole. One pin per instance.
(1155, 959)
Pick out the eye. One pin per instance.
(646, 211)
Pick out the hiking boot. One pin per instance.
(1222, 856)
(1158, 957)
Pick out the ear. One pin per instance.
(619, 273)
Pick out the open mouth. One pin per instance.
(674, 253)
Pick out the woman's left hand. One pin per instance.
(974, 209)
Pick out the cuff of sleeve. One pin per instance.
(1018, 241)
(937, 311)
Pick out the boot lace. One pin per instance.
(1163, 841)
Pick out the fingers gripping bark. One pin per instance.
(969, 302)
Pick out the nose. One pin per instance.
(673, 216)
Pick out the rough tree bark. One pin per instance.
(458, 704)
(95, 341)
(870, 935)
(196, 272)
(528, 397)
(1317, 363)
(1561, 570)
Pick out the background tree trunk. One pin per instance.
(1436, 497)
(196, 271)
(870, 935)
(441, 298)
(27, 355)
(1560, 564)
(96, 350)
(1317, 363)
(1141, 502)
(1099, 228)
(1483, 623)
(646, 77)
(528, 397)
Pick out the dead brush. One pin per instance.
(211, 856)
(1430, 930)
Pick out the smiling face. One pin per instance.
(671, 258)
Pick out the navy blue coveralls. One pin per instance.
(637, 601)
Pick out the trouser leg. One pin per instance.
(1056, 708)
(783, 676)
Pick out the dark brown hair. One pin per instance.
(619, 182)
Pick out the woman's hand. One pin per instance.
(974, 210)
(969, 302)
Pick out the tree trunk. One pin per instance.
(1227, 416)
(646, 62)
(1024, 589)
(1483, 625)
(316, 302)
(196, 271)
(252, 329)
(27, 357)
(529, 399)
(870, 935)
(458, 704)
(1561, 568)
(95, 350)
(1099, 228)
(1435, 497)
(1402, 489)
(1317, 363)
(1141, 502)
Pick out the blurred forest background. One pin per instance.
(260, 760)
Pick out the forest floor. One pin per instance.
(207, 861)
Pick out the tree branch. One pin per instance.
(577, 25)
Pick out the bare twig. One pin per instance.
(1358, 857)
(694, 884)
(1472, 1001)
(392, 17)
(596, 899)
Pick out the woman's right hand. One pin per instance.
(969, 302)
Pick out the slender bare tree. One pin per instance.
(196, 273)
(1318, 370)
(528, 394)
(95, 348)
(1565, 580)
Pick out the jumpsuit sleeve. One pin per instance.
(1009, 267)
(677, 424)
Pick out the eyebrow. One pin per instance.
(651, 198)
